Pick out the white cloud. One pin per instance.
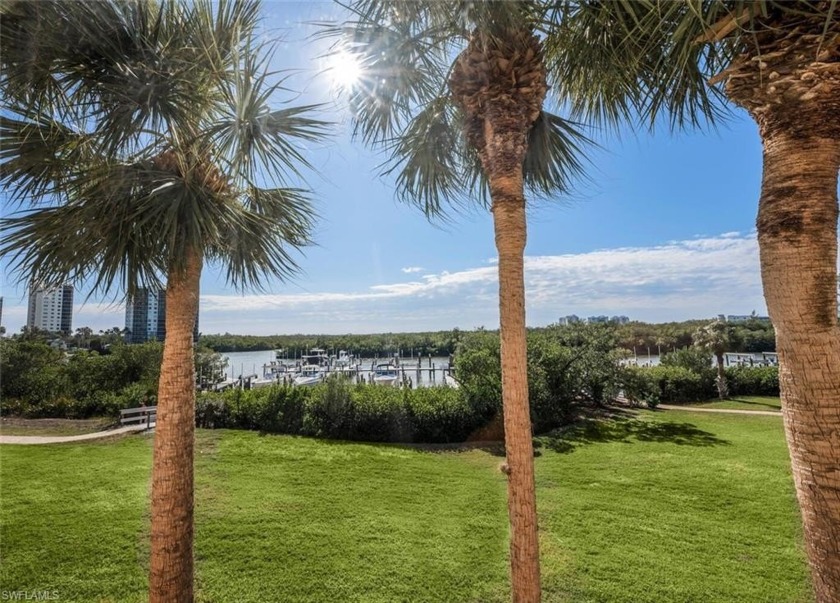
(412, 269)
(676, 280)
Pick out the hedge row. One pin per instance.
(340, 410)
(676, 384)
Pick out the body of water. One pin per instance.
(251, 363)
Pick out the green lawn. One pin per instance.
(744, 403)
(53, 427)
(683, 507)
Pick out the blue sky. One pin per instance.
(662, 231)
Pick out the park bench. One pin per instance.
(139, 416)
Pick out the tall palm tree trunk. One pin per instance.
(790, 83)
(797, 232)
(502, 99)
(723, 390)
(510, 230)
(171, 571)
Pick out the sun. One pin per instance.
(344, 69)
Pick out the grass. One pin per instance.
(53, 427)
(744, 403)
(678, 507)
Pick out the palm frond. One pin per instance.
(266, 229)
(404, 65)
(426, 159)
(556, 157)
(37, 153)
(249, 136)
(135, 131)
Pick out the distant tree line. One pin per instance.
(752, 335)
(42, 380)
(436, 343)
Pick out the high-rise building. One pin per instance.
(145, 317)
(50, 309)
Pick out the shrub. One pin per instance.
(339, 409)
(678, 384)
(753, 380)
(211, 411)
(329, 412)
(638, 384)
(245, 408)
(378, 414)
(695, 359)
(284, 409)
(443, 415)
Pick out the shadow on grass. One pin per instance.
(626, 429)
(754, 403)
(594, 425)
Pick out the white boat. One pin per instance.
(309, 374)
(344, 358)
(315, 357)
(264, 381)
(386, 373)
(277, 370)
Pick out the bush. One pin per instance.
(329, 412)
(339, 409)
(567, 366)
(443, 415)
(753, 380)
(378, 414)
(697, 360)
(678, 384)
(211, 411)
(284, 409)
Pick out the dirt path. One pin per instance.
(727, 411)
(16, 439)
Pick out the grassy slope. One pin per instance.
(744, 403)
(53, 427)
(72, 519)
(684, 508)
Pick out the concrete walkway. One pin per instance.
(24, 440)
(727, 411)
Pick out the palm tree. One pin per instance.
(716, 338)
(454, 93)
(139, 141)
(779, 60)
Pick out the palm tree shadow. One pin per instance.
(754, 403)
(625, 429)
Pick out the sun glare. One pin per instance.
(344, 69)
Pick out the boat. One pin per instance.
(264, 381)
(386, 373)
(277, 370)
(315, 357)
(344, 358)
(310, 374)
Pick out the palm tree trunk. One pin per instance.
(797, 233)
(721, 377)
(509, 222)
(171, 571)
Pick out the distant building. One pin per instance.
(50, 309)
(569, 320)
(573, 319)
(145, 317)
(743, 318)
